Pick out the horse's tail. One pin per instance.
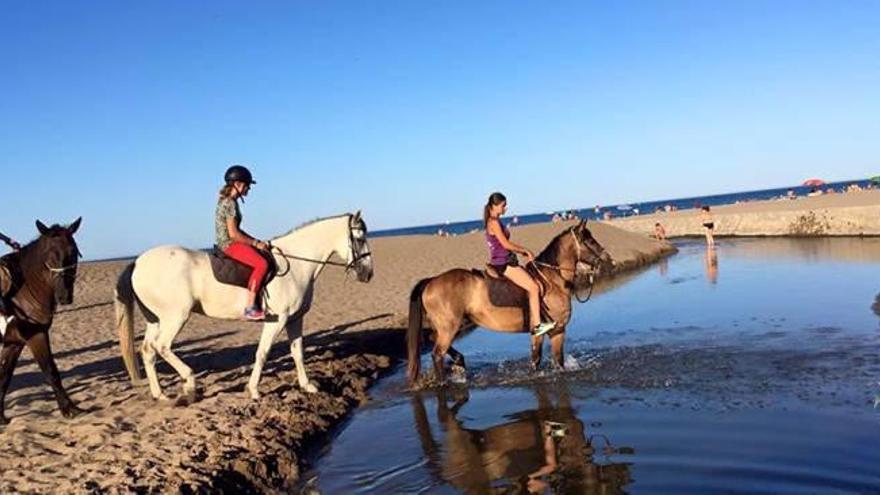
(124, 304)
(414, 330)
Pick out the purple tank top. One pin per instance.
(497, 253)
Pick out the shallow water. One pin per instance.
(751, 371)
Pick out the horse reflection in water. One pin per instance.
(541, 450)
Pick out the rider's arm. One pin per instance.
(238, 235)
(494, 228)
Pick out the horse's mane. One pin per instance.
(550, 254)
(312, 222)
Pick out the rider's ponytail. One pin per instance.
(496, 198)
(226, 191)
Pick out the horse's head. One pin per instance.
(356, 250)
(60, 256)
(592, 259)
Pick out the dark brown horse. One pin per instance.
(43, 273)
(461, 298)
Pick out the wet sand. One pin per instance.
(841, 214)
(129, 442)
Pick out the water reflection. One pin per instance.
(711, 264)
(541, 450)
(876, 305)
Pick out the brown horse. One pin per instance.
(461, 298)
(43, 273)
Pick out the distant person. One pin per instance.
(607, 215)
(814, 192)
(708, 226)
(502, 257)
(790, 194)
(659, 232)
(5, 283)
(235, 242)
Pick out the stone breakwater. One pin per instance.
(850, 214)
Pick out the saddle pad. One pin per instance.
(228, 271)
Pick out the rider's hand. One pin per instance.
(530, 256)
(262, 246)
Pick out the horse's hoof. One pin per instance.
(162, 398)
(308, 387)
(253, 394)
(72, 412)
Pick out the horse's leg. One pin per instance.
(537, 351)
(148, 352)
(556, 346)
(38, 343)
(294, 329)
(8, 359)
(270, 331)
(459, 370)
(442, 342)
(169, 327)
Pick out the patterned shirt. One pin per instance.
(226, 208)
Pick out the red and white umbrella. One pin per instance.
(813, 183)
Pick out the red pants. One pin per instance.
(249, 256)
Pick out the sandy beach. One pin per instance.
(129, 442)
(841, 214)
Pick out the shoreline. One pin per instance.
(854, 214)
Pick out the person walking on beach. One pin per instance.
(708, 226)
(502, 257)
(236, 243)
(5, 284)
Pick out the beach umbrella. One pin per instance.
(813, 182)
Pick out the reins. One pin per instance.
(559, 268)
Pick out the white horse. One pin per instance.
(171, 282)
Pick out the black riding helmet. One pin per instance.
(238, 173)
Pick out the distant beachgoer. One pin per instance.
(502, 257)
(659, 232)
(607, 215)
(814, 192)
(236, 243)
(708, 226)
(790, 194)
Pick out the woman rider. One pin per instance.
(5, 282)
(236, 243)
(503, 259)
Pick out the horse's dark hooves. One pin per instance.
(187, 399)
(72, 412)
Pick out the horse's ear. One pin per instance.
(72, 228)
(42, 228)
(357, 215)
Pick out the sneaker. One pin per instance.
(254, 313)
(543, 328)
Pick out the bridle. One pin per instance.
(577, 246)
(353, 243)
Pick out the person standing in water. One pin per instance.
(236, 243)
(502, 257)
(708, 226)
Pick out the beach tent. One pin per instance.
(813, 182)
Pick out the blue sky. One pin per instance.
(127, 113)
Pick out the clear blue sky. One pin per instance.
(127, 113)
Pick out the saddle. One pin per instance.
(229, 271)
(505, 294)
